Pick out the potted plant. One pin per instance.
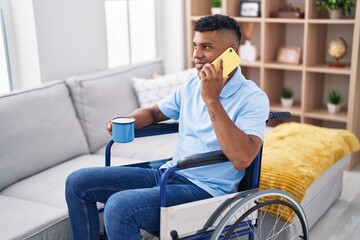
(215, 7)
(334, 100)
(335, 7)
(287, 97)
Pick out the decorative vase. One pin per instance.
(247, 52)
(287, 102)
(335, 14)
(215, 10)
(333, 108)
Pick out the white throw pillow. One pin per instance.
(150, 91)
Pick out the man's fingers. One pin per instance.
(109, 125)
(209, 69)
(221, 64)
(202, 74)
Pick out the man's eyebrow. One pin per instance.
(204, 43)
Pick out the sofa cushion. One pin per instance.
(42, 195)
(101, 95)
(150, 91)
(39, 129)
(48, 187)
(146, 148)
(21, 219)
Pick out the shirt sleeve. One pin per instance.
(170, 105)
(252, 120)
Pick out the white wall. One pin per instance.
(25, 47)
(60, 38)
(172, 35)
(71, 37)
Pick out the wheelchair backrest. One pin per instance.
(251, 178)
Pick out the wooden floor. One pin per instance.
(342, 220)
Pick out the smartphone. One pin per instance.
(230, 61)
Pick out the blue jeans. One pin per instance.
(132, 197)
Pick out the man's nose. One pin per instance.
(197, 53)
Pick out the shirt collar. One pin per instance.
(233, 84)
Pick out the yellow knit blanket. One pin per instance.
(295, 154)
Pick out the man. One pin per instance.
(213, 112)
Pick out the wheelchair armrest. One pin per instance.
(279, 115)
(157, 129)
(202, 159)
(154, 129)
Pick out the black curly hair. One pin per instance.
(218, 22)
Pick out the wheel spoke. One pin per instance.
(259, 209)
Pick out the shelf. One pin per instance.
(331, 21)
(323, 114)
(312, 79)
(255, 64)
(247, 19)
(195, 18)
(281, 66)
(323, 68)
(295, 110)
(285, 20)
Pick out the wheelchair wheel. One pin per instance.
(268, 214)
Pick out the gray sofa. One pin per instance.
(53, 129)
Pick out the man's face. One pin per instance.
(207, 46)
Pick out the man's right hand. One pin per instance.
(144, 117)
(109, 125)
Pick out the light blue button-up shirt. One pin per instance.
(247, 106)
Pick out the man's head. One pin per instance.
(213, 35)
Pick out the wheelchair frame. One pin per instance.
(249, 199)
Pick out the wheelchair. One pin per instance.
(248, 214)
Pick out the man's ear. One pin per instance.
(236, 49)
